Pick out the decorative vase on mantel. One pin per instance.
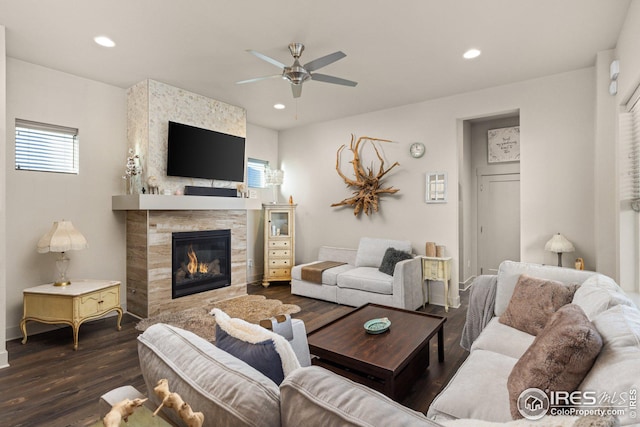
(133, 184)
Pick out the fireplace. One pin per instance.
(201, 261)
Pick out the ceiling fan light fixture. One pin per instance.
(471, 53)
(297, 74)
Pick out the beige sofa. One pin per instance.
(478, 390)
(358, 281)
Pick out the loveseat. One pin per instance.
(500, 354)
(359, 280)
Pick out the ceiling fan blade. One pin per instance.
(331, 79)
(266, 58)
(296, 90)
(257, 79)
(316, 64)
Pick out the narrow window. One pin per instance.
(630, 152)
(46, 148)
(256, 173)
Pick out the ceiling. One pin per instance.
(400, 52)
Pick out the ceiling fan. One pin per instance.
(297, 74)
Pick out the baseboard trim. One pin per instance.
(4, 359)
(463, 286)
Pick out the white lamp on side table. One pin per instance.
(559, 244)
(61, 238)
(274, 178)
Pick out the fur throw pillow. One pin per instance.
(391, 257)
(533, 302)
(559, 358)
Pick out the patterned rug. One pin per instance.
(251, 308)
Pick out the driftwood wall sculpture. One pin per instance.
(367, 184)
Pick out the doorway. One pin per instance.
(498, 220)
(489, 220)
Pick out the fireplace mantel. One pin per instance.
(152, 202)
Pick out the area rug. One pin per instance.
(252, 308)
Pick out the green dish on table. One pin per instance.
(377, 326)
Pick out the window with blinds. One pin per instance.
(256, 173)
(46, 148)
(630, 152)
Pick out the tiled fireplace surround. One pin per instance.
(150, 105)
(149, 257)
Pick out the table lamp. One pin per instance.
(559, 244)
(61, 238)
(274, 178)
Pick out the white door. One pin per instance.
(498, 221)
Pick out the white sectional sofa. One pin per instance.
(359, 280)
(479, 389)
(231, 393)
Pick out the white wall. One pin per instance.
(466, 213)
(604, 167)
(628, 52)
(556, 121)
(36, 199)
(4, 358)
(262, 143)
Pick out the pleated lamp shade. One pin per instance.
(559, 244)
(61, 238)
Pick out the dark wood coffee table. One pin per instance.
(389, 362)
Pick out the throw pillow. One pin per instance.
(533, 302)
(391, 257)
(264, 350)
(559, 358)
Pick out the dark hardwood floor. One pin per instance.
(49, 384)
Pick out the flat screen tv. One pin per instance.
(201, 153)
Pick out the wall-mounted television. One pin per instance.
(202, 153)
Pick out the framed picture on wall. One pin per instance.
(503, 145)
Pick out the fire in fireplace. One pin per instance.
(201, 261)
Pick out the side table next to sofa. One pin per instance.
(74, 304)
(437, 269)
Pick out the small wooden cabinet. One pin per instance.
(72, 305)
(279, 237)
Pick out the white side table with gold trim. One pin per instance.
(73, 305)
(436, 269)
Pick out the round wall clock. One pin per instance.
(416, 150)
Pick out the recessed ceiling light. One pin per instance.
(471, 53)
(279, 106)
(104, 41)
